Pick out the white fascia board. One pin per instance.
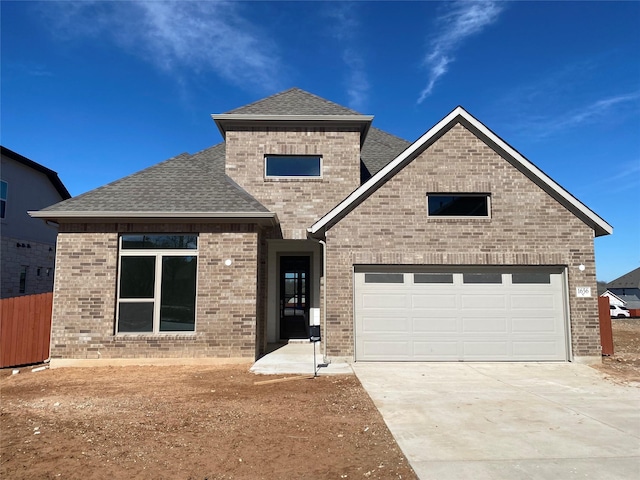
(168, 215)
(454, 116)
(291, 118)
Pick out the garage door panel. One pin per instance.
(443, 350)
(483, 301)
(485, 349)
(542, 349)
(384, 301)
(434, 301)
(421, 320)
(388, 349)
(375, 324)
(433, 325)
(537, 302)
(489, 325)
(534, 324)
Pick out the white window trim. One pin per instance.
(460, 217)
(157, 287)
(293, 177)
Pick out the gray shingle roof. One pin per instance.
(628, 280)
(186, 183)
(379, 149)
(293, 102)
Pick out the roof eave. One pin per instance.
(460, 115)
(262, 218)
(230, 120)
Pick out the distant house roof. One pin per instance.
(460, 115)
(185, 186)
(628, 280)
(53, 176)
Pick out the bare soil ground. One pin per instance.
(624, 365)
(210, 423)
(190, 423)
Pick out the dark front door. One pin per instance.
(294, 297)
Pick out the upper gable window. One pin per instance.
(458, 205)
(293, 166)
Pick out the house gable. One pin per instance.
(462, 117)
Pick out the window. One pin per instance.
(383, 278)
(23, 278)
(482, 278)
(458, 205)
(4, 186)
(530, 277)
(157, 286)
(305, 166)
(433, 278)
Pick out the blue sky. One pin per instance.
(99, 90)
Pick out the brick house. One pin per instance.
(453, 247)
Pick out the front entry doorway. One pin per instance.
(294, 296)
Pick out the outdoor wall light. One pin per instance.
(581, 267)
(228, 262)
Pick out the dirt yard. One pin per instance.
(210, 423)
(624, 365)
(190, 423)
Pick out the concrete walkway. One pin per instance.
(508, 420)
(296, 357)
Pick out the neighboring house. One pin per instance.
(28, 245)
(453, 247)
(627, 288)
(614, 299)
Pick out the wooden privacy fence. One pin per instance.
(25, 329)
(606, 332)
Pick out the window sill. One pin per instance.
(135, 336)
(293, 179)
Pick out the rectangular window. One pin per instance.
(458, 205)
(4, 187)
(157, 286)
(23, 278)
(383, 278)
(482, 278)
(530, 277)
(296, 166)
(433, 278)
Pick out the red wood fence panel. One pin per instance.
(606, 333)
(25, 329)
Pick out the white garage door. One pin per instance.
(480, 315)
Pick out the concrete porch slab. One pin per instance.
(296, 357)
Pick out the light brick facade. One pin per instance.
(298, 203)
(527, 227)
(85, 294)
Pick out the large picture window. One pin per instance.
(303, 166)
(157, 284)
(458, 205)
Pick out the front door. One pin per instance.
(294, 297)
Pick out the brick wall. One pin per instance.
(298, 203)
(38, 257)
(85, 295)
(527, 227)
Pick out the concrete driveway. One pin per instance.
(508, 420)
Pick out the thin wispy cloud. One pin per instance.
(181, 38)
(593, 112)
(462, 20)
(344, 28)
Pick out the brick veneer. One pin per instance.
(85, 294)
(527, 227)
(298, 202)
